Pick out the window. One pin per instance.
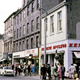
(23, 2)
(23, 45)
(20, 31)
(23, 29)
(37, 41)
(19, 45)
(59, 21)
(37, 23)
(32, 24)
(27, 46)
(31, 42)
(28, 10)
(14, 34)
(37, 4)
(17, 19)
(20, 16)
(52, 24)
(33, 7)
(27, 28)
(16, 46)
(17, 33)
(24, 14)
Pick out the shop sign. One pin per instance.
(74, 44)
(31, 51)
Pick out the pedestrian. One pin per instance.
(62, 71)
(43, 72)
(16, 70)
(79, 73)
(59, 72)
(72, 70)
(24, 69)
(33, 69)
(52, 71)
(67, 75)
(49, 71)
(19, 67)
(13, 67)
(28, 69)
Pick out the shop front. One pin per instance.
(68, 52)
(18, 57)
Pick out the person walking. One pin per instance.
(72, 70)
(43, 72)
(52, 71)
(67, 75)
(28, 69)
(33, 69)
(24, 69)
(49, 71)
(19, 67)
(62, 71)
(59, 72)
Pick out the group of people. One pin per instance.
(59, 72)
(25, 69)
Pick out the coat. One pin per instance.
(52, 70)
(33, 69)
(59, 71)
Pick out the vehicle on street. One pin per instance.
(6, 71)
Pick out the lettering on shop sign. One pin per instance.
(74, 44)
(59, 46)
(30, 51)
(47, 48)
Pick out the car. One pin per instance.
(6, 71)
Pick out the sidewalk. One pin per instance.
(37, 77)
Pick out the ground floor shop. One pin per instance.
(68, 52)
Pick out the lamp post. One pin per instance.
(45, 34)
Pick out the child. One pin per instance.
(76, 75)
(67, 75)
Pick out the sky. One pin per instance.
(7, 7)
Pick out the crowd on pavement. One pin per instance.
(59, 72)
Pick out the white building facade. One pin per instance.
(68, 50)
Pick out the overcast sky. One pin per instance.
(7, 7)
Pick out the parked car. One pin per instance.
(6, 71)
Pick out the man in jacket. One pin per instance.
(63, 71)
(43, 72)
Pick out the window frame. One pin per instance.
(32, 10)
(27, 28)
(38, 4)
(32, 43)
(32, 25)
(37, 22)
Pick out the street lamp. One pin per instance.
(45, 34)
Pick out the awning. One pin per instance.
(77, 54)
(2, 60)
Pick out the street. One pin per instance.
(22, 78)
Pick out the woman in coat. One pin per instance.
(59, 72)
(52, 71)
(33, 69)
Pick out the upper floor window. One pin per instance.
(24, 14)
(14, 34)
(27, 44)
(33, 7)
(17, 19)
(32, 24)
(20, 32)
(59, 20)
(52, 24)
(31, 42)
(37, 41)
(19, 45)
(37, 23)
(16, 46)
(28, 10)
(20, 16)
(17, 33)
(23, 29)
(23, 45)
(37, 4)
(27, 28)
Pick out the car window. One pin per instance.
(7, 68)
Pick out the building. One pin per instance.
(1, 47)
(8, 37)
(62, 34)
(27, 29)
